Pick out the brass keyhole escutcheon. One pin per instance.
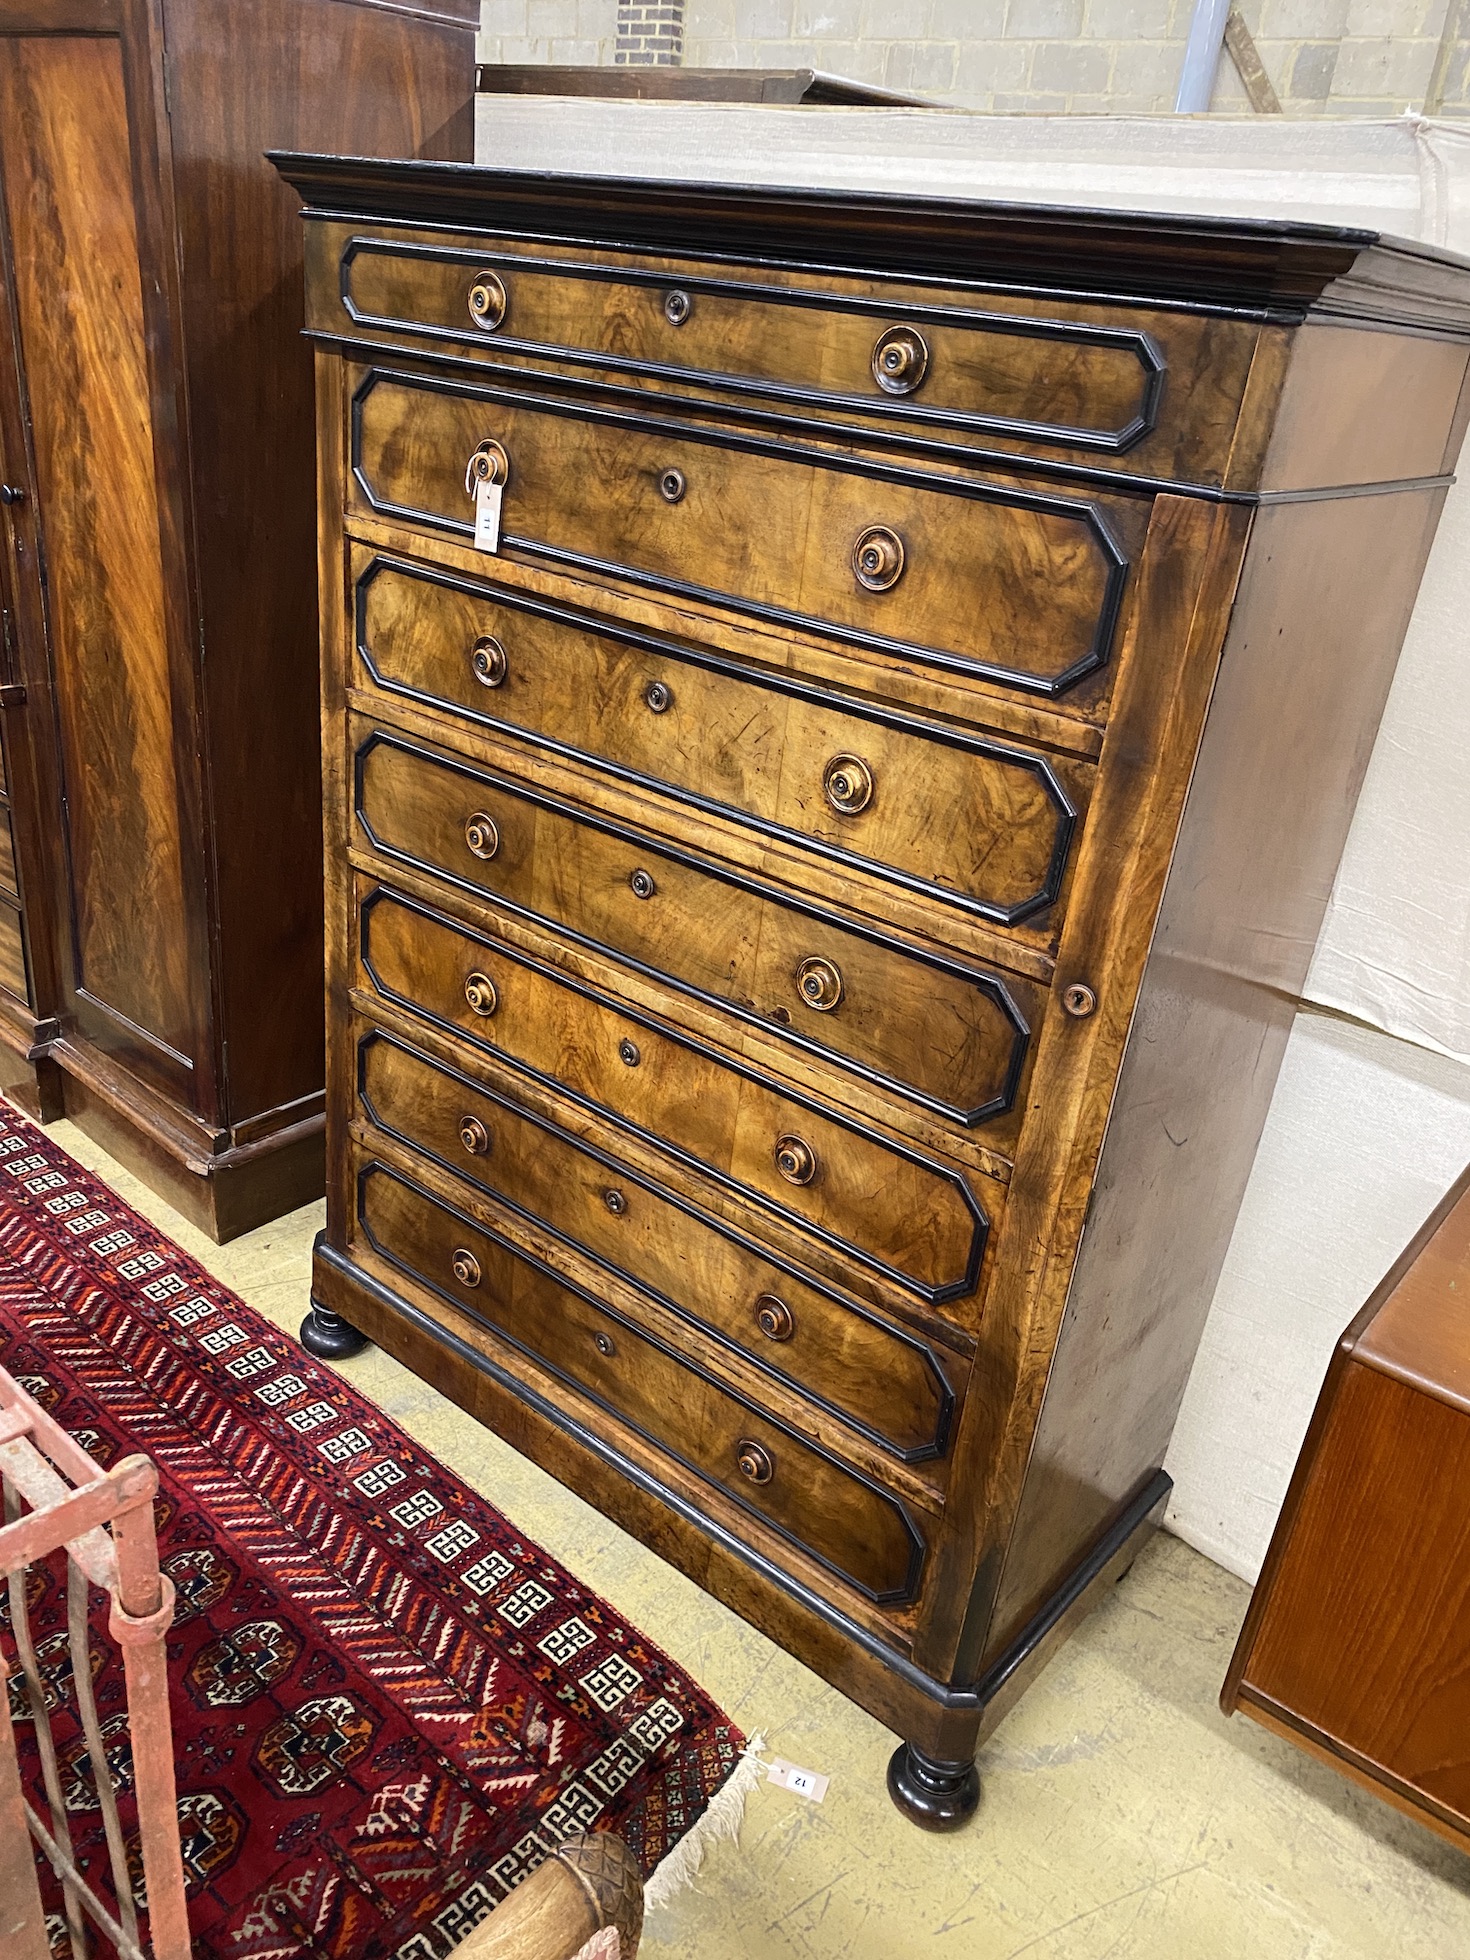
(900, 360)
(616, 1203)
(774, 1318)
(1079, 1000)
(473, 1135)
(677, 308)
(795, 1160)
(819, 983)
(481, 835)
(672, 485)
(641, 885)
(479, 991)
(489, 463)
(659, 697)
(488, 661)
(754, 1461)
(604, 1344)
(877, 558)
(628, 1054)
(847, 784)
(487, 300)
(465, 1266)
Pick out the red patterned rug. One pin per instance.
(388, 1704)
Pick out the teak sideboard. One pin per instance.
(1357, 1643)
(160, 870)
(816, 894)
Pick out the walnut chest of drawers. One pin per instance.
(816, 895)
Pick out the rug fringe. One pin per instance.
(726, 1812)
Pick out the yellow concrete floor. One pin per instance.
(1122, 1818)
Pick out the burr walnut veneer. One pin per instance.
(160, 891)
(840, 717)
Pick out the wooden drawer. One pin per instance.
(13, 952)
(971, 822)
(1133, 388)
(997, 582)
(910, 1220)
(936, 1033)
(886, 1383)
(863, 1535)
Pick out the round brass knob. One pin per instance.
(754, 1461)
(479, 991)
(877, 558)
(488, 661)
(847, 784)
(819, 982)
(677, 308)
(672, 485)
(487, 301)
(659, 697)
(466, 1266)
(489, 463)
(481, 835)
(900, 360)
(616, 1203)
(12, 493)
(473, 1135)
(774, 1318)
(641, 885)
(795, 1160)
(628, 1054)
(1079, 1000)
(604, 1344)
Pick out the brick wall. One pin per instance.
(1335, 57)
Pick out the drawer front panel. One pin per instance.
(716, 1116)
(957, 818)
(860, 1533)
(887, 1384)
(1016, 587)
(954, 372)
(950, 1040)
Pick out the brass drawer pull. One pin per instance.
(473, 1135)
(900, 360)
(466, 1266)
(1079, 1000)
(641, 885)
(819, 982)
(489, 463)
(659, 697)
(774, 1318)
(847, 784)
(604, 1344)
(628, 1054)
(877, 558)
(616, 1203)
(795, 1160)
(481, 835)
(488, 661)
(487, 301)
(754, 1461)
(672, 485)
(479, 991)
(677, 308)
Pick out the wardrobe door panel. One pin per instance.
(78, 279)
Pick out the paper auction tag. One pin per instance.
(804, 1782)
(487, 514)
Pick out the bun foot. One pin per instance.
(934, 1795)
(329, 1337)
